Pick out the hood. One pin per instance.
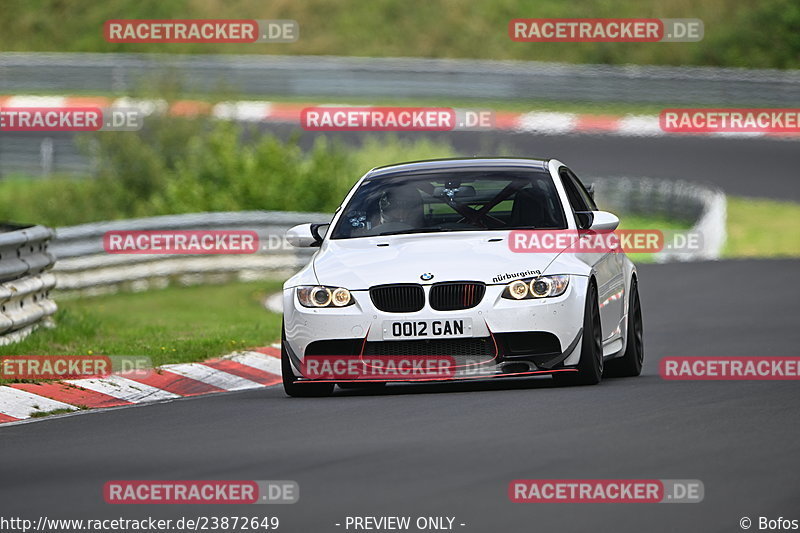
(358, 264)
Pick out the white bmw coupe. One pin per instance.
(417, 279)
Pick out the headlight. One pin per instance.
(518, 289)
(341, 297)
(320, 296)
(541, 287)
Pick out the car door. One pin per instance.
(607, 264)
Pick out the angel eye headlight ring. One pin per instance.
(518, 289)
(320, 296)
(541, 287)
(340, 297)
(535, 288)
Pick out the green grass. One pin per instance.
(630, 222)
(762, 228)
(172, 325)
(740, 34)
(638, 222)
(55, 200)
(756, 228)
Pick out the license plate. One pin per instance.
(427, 329)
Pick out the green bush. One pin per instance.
(195, 165)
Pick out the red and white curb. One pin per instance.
(237, 371)
(541, 122)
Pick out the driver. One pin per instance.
(401, 204)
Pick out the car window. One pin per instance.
(451, 201)
(584, 194)
(576, 200)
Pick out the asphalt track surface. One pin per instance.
(451, 450)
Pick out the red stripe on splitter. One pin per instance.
(174, 383)
(70, 394)
(269, 350)
(6, 418)
(244, 371)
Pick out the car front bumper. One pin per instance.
(509, 328)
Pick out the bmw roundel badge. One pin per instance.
(427, 276)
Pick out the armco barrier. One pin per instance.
(702, 206)
(80, 264)
(25, 283)
(85, 267)
(312, 76)
(254, 77)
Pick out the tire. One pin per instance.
(630, 364)
(590, 366)
(290, 385)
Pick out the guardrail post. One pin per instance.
(46, 151)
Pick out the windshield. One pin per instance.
(452, 201)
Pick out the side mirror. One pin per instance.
(596, 220)
(307, 235)
(604, 221)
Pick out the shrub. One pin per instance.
(195, 165)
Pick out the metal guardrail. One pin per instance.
(343, 77)
(42, 153)
(25, 283)
(80, 264)
(84, 267)
(702, 206)
(401, 77)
